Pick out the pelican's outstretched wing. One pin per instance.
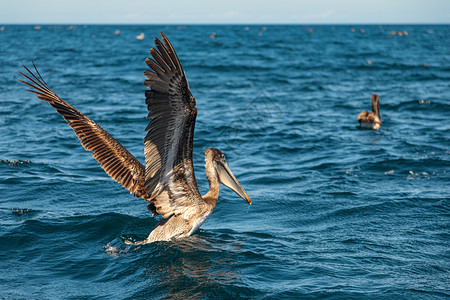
(112, 156)
(169, 172)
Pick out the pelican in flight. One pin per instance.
(167, 181)
(371, 119)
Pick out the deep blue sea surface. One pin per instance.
(338, 212)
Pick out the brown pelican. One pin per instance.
(167, 181)
(371, 119)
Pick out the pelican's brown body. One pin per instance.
(182, 226)
(167, 180)
(371, 119)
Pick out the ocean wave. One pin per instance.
(14, 163)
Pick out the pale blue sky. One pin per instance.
(220, 12)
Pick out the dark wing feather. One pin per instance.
(169, 172)
(363, 116)
(112, 156)
(366, 117)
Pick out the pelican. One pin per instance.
(371, 119)
(167, 181)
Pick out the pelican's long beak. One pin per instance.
(227, 178)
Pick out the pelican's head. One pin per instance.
(224, 173)
(375, 98)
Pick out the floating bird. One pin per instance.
(167, 181)
(141, 36)
(371, 119)
(399, 33)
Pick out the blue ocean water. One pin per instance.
(338, 212)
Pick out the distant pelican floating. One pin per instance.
(371, 119)
(167, 181)
(140, 36)
(399, 33)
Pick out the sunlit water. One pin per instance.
(337, 212)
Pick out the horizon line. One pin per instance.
(232, 23)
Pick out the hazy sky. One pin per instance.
(219, 12)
